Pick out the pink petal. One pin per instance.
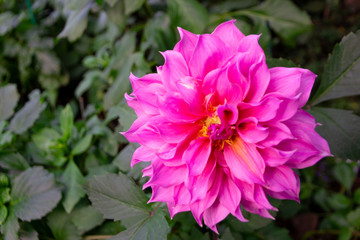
(173, 69)
(210, 53)
(263, 111)
(197, 154)
(282, 183)
(189, 88)
(229, 194)
(228, 113)
(274, 157)
(187, 43)
(215, 214)
(142, 154)
(244, 161)
(277, 132)
(181, 194)
(162, 194)
(251, 131)
(229, 34)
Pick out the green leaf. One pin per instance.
(34, 194)
(344, 174)
(86, 218)
(279, 62)
(11, 227)
(341, 74)
(66, 121)
(13, 161)
(341, 129)
(111, 2)
(46, 139)
(345, 234)
(4, 195)
(76, 23)
(62, 227)
(283, 16)
(10, 93)
(339, 202)
(125, 113)
(357, 196)
(85, 84)
(73, 180)
(132, 5)
(188, 14)
(8, 21)
(353, 217)
(27, 115)
(3, 213)
(152, 226)
(4, 180)
(117, 197)
(82, 145)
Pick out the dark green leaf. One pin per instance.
(111, 2)
(76, 23)
(188, 14)
(341, 74)
(339, 202)
(8, 21)
(3, 213)
(13, 161)
(4, 180)
(86, 218)
(344, 174)
(66, 121)
(11, 227)
(10, 93)
(62, 227)
(86, 83)
(345, 234)
(82, 145)
(227, 235)
(117, 197)
(27, 232)
(4, 195)
(34, 194)
(279, 62)
(283, 16)
(357, 196)
(341, 129)
(132, 5)
(148, 227)
(27, 115)
(73, 180)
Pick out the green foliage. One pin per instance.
(65, 169)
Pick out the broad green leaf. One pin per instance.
(279, 62)
(46, 139)
(3, 213)
(151, 226)
(49, 62)
(344, 174)
(339, 202)
(34, 194)
(125, 114)
(4, 180)
(345, 234)
(227, 235)
(76, 23)
(62, 227)
(86, 218)
(188, 14)
(4, 195)
(11, 227)
(27, 115)
(356, 197)
(109, 144)
(341, 74)
(13, 161)
(283, 16)
(10, 93)
(73, 180)
(82, 145)
(66, 121)
(117, 197)
(341, 129)
(86, 83)
(132, 5)
(354, 217)
(27, 232)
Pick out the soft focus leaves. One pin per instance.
(188, 14)
(344, 173)
(133, 5)
(62, 227)
(66, 121)
(11, 227)
(82, 145)
(341, 74)
(341, 129)
(8, 92)
(27, 115)
(283, 17)
(12, 161)
(34, 194)
(86, 218)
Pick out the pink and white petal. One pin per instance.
(229, 34)
(196, 155)
(282, 182)
(174, 68)
(210, 53)
(251, 131)
(187, 44)
(244, 161)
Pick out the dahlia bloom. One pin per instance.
(220, 129)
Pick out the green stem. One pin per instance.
(31, 13)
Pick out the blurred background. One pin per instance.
(64, 68)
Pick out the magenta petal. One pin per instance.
(187, 43)
(161, 194)
(181, 194)
(214, 214)
(282, 183)
(178, 175)
(173, 69)
(142, 154)
(244, 161)
(251, 131)
(263, 111)
(274, 157)
(229, 34)
(197, 154)
(228, 113)
(229, 194)
(189, 88)
(210, 53)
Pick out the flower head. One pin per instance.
(220, 129)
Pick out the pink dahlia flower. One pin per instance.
(220, 129)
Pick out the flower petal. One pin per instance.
(196, 155)
(229, 34)
(187, 43)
